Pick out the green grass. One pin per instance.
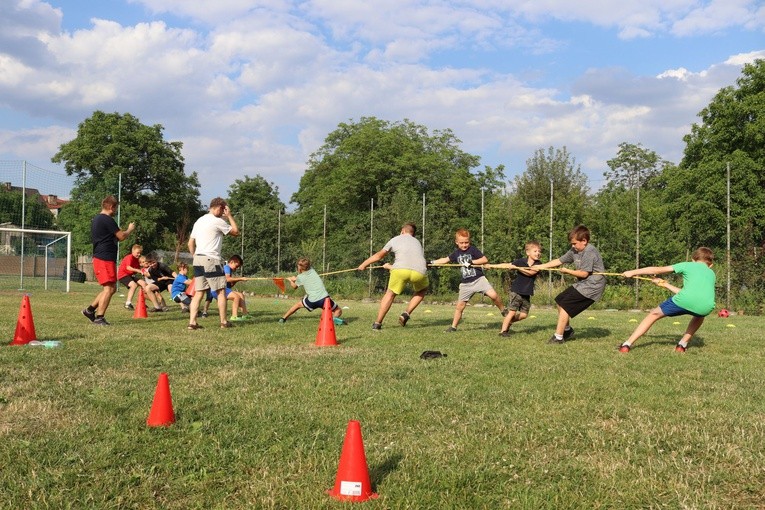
(261, 411)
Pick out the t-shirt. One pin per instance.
(698, 292)
(157, 272)
(179, 287)
(102, 230)
(312, 284)
(228, 272)
(128, 260)
(469, 274)
(523, 284)
(208, 232)
(408, 252)
(588, 260)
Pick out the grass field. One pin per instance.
(261, 411)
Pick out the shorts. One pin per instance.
(478, 286)
(573, 302)
(670, 309)
(400, 277)
(163, 285)
(208, 273)
(214, 294)
(125, 280)
(313, 305)
(519, 302)
(105, 271)
(184, 299)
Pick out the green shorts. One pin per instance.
(400, 277)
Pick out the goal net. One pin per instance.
(36, 260)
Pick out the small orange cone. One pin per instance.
(326, 334)
(140, 309)
(161, 414)
(352, 482)
(25, 325)
(190, 288)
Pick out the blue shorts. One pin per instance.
(313, 305)
(215, 294)
(670, 309)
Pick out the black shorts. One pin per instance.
(573, 302)
(125, 280)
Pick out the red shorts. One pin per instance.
(105, 271)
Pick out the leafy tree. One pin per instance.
(155, 192)
(394, 163)
(36, 214)
(256, 205)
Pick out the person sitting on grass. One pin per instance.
(696, 298)
(151, 288)
(315, 292)
(522, 287)
(162, 275)
(473, 280)
(179, 286)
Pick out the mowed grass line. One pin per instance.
(261, 412)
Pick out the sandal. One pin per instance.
(225, 325)
(194, 327)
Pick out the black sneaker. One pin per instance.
(450, 329)
(568, 333)
(90, 315)
(554, 340)
(403, 318)
(376, 326)
(129, 306)
(100, 321)
(505, 311)
(504, 334)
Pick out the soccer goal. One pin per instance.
(35, 259)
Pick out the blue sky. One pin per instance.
(253, 87)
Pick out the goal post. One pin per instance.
(40, 259)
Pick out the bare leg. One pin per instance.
(194, 306)
(649, 320)
(693, 326)
(131, 291)
(103, 299)
(415, 301)
(385, 304)
(297, 306)
(222, 305)
(458, 313)
(563, 321)
(495, 298)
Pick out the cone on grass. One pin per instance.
(25, 324)
(352, 482)
(161, 414)
(326, 334)
(140, 309)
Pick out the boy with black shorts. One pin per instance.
(586, 291)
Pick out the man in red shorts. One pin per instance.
(105, 234)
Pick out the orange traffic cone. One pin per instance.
(352, 482)
(140, 309)
(326, 334)
(161, 414)
(190, 288)
(25, 325)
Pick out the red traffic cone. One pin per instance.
(352, 482)
(25, 325)
(190, 288)
(161, 414)
(326, 334)
(140, 309)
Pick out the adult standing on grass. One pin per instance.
(409, 266)
(105, 234)
(205, 244)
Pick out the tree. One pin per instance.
(396, 164)
(257, 207)
(36, 214)
(154, 190)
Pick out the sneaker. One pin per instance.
(90, 315)
(100, 321)
(129, 306)
(624, 348)
(403, 318)
(504, 334)
(338, 321)
(236, 319)
(680, 348)
(203, 314)
(554, 340)
(568, 333)
(505, 311)
(376, 326)
(450, 329)
(282, 320)
(247, 317)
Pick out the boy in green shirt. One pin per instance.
(696, 298)
(315, 292)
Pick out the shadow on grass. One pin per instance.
(667, 340)
(583, 333)
(379, 472)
